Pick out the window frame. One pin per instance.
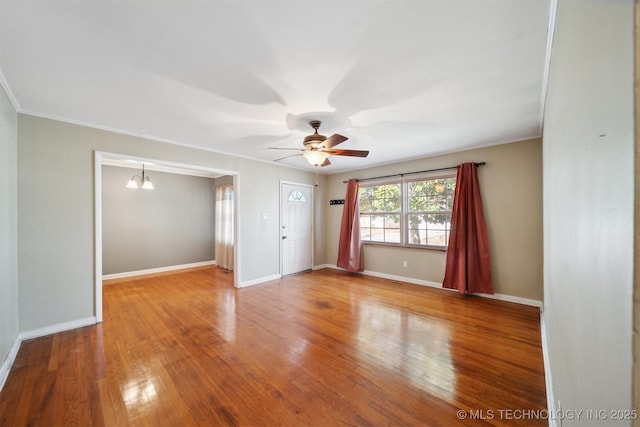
(404, 213)
(383, 213)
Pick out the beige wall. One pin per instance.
(511, 185)
(135, 235)
(588, 209)
(56, 224)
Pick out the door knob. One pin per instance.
(284, 237)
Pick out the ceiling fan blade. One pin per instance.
(286, 157)
(326, 162)
(352, 153)
(334, 140)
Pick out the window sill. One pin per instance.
(400, 246)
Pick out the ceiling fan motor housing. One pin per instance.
(315, 140)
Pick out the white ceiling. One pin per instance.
(403, 79)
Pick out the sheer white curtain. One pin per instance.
(224, 226)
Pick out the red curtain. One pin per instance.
(350, 246)
(468, 267)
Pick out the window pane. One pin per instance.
(380, 198)
(417, 230)
(380, 228)
(417, 196)
(380, 207)
(450, 201)
(437, 202)
(296, 196)
(423, 232)
(365, 205)
(418, 203)
(392, 235)
(365, 193)
(391, 205)
(392, 221)
(438, 233)
(429, 211)
(377, 235)
(438, 218)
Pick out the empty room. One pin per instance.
(318, 213)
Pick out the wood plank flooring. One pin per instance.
(323, 348)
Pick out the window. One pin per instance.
(414, 212)
(429, 204)
(296, 196)
(380, 211)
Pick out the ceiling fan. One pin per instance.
(318, 148)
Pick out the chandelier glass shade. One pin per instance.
(140, 181)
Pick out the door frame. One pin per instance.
(280, 222)
(99, 158)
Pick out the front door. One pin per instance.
(296, 228)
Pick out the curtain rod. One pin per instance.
(412, 173)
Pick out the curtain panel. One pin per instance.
(468, 266)
(350, 246)
(224, 227)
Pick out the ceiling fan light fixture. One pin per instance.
(315, 158)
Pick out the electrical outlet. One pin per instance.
(405, 264)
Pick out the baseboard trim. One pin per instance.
(402, 279)
(8, 363)
(155, 271)
(40, 332)
(58, 327)
(259, 280)
(551, 402)
(511, 298)
(413, 281)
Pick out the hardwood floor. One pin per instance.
(320, 349)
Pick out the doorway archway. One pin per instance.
(105, 158)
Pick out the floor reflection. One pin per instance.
(296, 351)
(415, 346)
(139, 394)
(227, 315)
